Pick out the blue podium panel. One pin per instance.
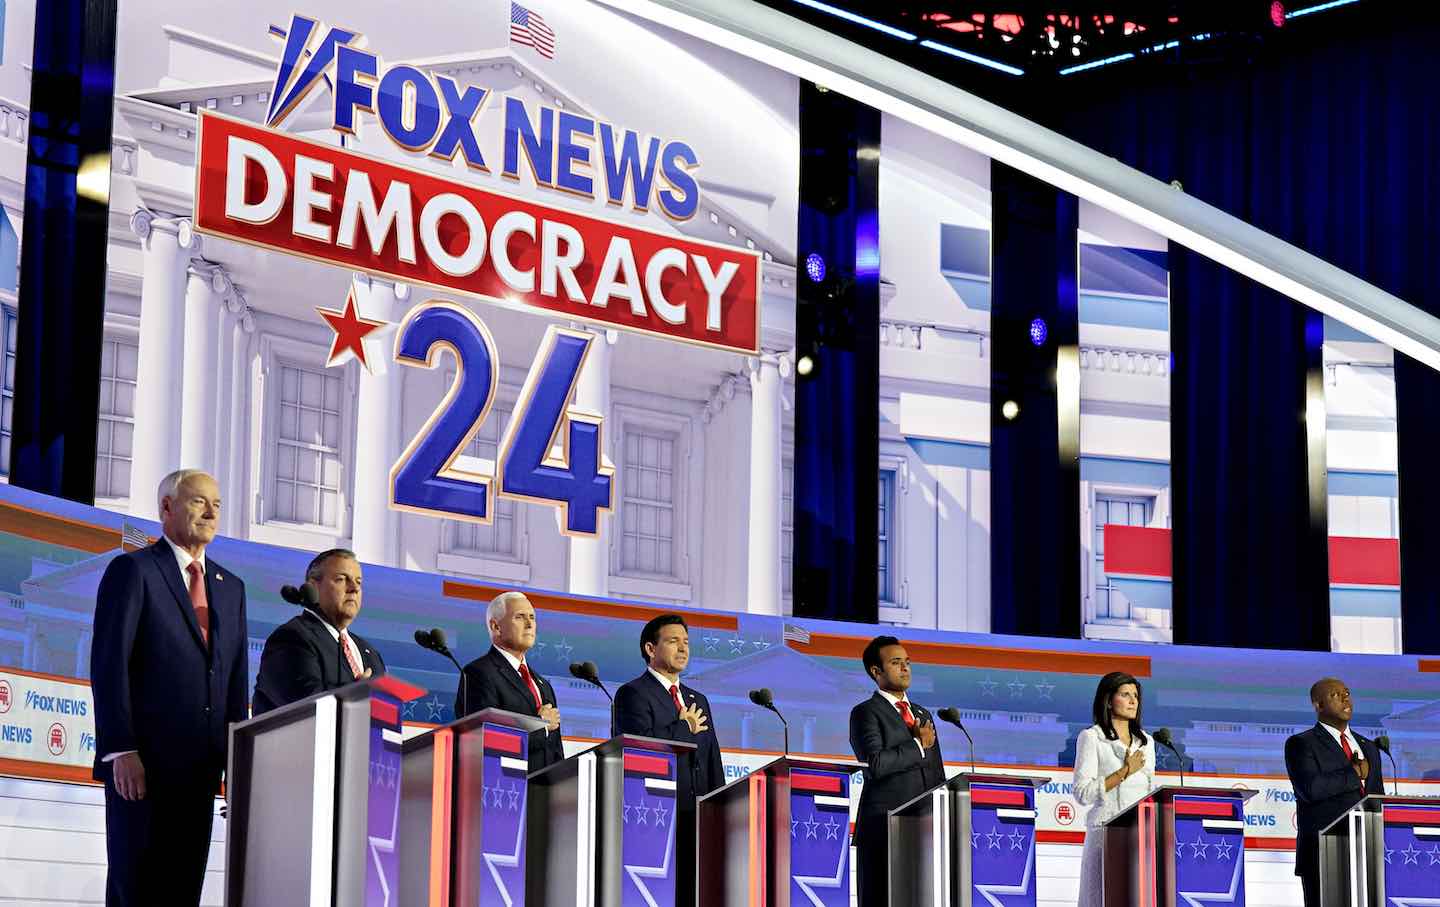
(647, 831)
(1210, 850)
(1002, 843)
(820, 837)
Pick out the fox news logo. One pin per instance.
(430, 113)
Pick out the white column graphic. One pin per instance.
(763, 590)
(167, 243)
(589, 571)
(199, 395)
(374, 527)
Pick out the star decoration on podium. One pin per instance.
(1434, 854)
(1017, 840)
(1222, 850)
(1411, 855)
(350, 333)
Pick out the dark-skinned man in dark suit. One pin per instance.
(895, 738)
(657, 704)
(1331, 769)
(169, 671)
(316, 650)
(503, 679)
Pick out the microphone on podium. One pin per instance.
(586, 671)
(304, 595)
(952, 715)
(435, 641)
(1163, 738)
(766, 700)
(1382, 743)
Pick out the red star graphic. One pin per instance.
(350, 331)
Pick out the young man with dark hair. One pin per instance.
(895, 738)
(657, 704)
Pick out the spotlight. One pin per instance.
(1010, 409)
(804, 366)
(1277, 14)
(1038, 332)
(815, 267)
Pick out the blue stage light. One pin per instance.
(1038, 332)
(815, 267)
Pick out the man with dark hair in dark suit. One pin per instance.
(315, 650)
(1331, 768)
(895, 738)
(503, 679)
(657, 704)
(168, 671)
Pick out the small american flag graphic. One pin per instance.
(132, 536)
(529, 29)
(794, 633)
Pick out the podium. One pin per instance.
(602, 826)
(1175, 845)
(463, 797)
(1384, 850)
(314, 799)
(968, 837)
(780, 835)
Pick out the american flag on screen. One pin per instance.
(529, 29)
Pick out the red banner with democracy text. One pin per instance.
(323, 202)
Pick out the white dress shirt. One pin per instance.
(335, 634)
(892, 699)
(515, 663)
(1354, 744)
(667, 683)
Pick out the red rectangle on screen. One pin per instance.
(819, 784)
(1215, 809)
(501, 742)
(642, 764)
(997, 796)
(1137, 551)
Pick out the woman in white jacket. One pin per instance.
(1114, 768)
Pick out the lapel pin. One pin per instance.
(219, 576)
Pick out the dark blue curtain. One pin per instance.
(1330, 143)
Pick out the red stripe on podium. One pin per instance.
(1411, 815)
(386, 712)
(1059, 837)
(820, 784)
(990, 796)
(499, 742)
(1216, 809)
(647, 765)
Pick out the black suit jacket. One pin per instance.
(301, 658)
(644, 706)
(158, 687)
(1325, 787)
(489, 682)
(895, 771)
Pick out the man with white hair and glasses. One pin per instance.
(503, 679)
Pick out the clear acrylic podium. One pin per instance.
(602, 826)
(966, 836)
(1384, 850)
(1177, 844)
(313, 790)
(463, 797)
(776, 836)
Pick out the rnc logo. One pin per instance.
(55, 739)
(4, 696)
(1064, 813)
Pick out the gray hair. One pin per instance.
(317, 564)
(170, 485)
(500, 604)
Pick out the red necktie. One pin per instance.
(198, 600)
(345, 643)
(530, 682)
(1345, 745)
(905, 715)
(675, 695)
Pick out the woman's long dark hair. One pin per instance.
(1109, 684)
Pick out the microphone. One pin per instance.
(766, 700)
(305, 595)
(952, 715)
(434, 640)
(586, 671)
(1163, 738)
(1382, 743)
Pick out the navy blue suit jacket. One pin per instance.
(489, 682)
(644, 706)
(158, 688)
(1326, 786)
(301, 659)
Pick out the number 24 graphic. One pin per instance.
(425, 478)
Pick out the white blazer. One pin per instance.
(1095, 759)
